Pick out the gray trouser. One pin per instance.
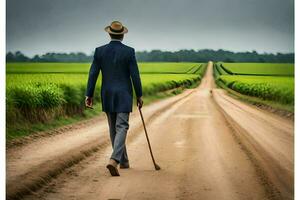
(118, 127)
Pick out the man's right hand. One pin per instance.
(89, 102)
(140, 102)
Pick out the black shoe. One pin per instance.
(124, 165)
(113, 167)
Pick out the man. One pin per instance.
(119, 70)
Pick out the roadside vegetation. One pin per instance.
(43, 95)
(269, 82)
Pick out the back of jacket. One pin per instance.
(119, 70)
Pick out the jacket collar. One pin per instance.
(115, 41)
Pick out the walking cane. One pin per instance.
(156, 166)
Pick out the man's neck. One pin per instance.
(116, 40)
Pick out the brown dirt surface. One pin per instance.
(209, 146)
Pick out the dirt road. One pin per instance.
(209, 146)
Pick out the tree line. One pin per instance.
(204, 55)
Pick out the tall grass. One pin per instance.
(280, 89)
(43, 97)
(263, 80)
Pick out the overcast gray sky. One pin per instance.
(39, 26)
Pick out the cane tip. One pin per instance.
(157, 167)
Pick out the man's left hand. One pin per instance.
(140, 102)
(89, 102)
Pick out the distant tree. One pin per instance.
(184, 55)
(229, 60)
(10, 57)
(16, 57)
(36, 58)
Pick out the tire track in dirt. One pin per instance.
(267, 139)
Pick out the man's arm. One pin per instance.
(93, 76)
(136, 80)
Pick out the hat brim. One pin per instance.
(107, 29)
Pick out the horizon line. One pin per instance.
(162, 50)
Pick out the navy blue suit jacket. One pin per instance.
(119, 70)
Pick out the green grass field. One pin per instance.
(282, 69)
(267, 81)
(280, 89)
(40, 93)
(159, 67)
(13, 80)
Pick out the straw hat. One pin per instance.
(116, 28)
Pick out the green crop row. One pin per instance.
(262, 80)
(258, 69)
(159, 68)
(279, 89)
(43, 97)
(218, 70)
